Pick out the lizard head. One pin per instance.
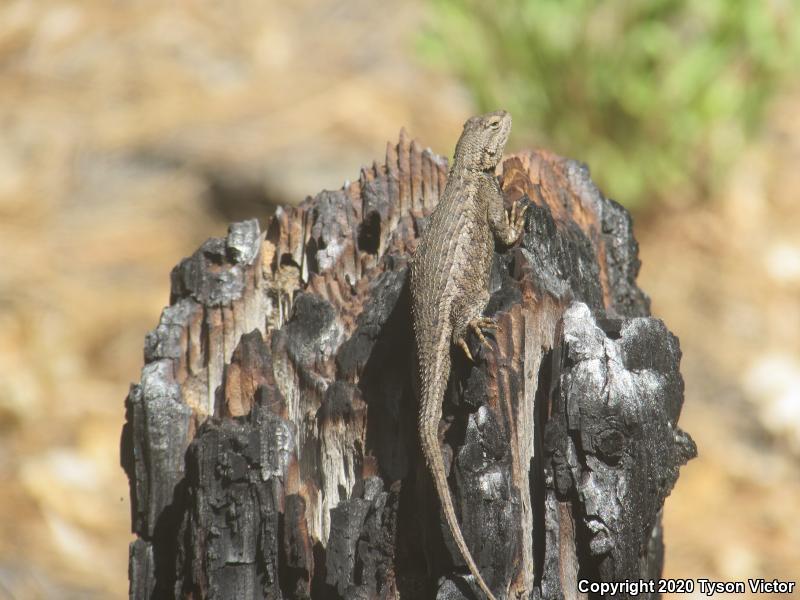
(481, 144)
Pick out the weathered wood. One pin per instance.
(271, 445)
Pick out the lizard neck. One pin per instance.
(464, 172)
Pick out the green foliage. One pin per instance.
(655, 95)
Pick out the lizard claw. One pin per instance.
(463, 345)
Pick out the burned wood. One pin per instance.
(271, 445)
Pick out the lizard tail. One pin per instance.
(433, 456)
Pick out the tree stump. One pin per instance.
(271, 446)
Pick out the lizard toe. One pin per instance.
(463, 345)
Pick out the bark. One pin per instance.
(271, 445)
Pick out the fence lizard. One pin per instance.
(450, 280)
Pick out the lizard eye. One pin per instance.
(494, 123)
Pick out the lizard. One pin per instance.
(449, 284)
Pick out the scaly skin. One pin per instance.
(449, 283)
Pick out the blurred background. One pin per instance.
(132, 131)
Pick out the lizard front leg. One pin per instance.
(506, 228)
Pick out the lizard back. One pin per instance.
(449, 285)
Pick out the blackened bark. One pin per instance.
(271, 445)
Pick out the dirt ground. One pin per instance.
(133, 131)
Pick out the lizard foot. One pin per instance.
(481, 324)
(478, 325)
